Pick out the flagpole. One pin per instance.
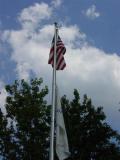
(51, 153)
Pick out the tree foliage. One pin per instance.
(90, 137)
(28, 115)
(24, 130)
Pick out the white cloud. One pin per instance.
(92, 13)
(3, 95)
(89, 69)
(56, 3)
(72, 35)
(32, 16)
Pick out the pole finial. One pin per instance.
(56, 25)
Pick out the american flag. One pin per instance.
(60, 51)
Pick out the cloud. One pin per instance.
(89, 69)
(31, 17)
(3, 95)
(92, 13)
(56, 3)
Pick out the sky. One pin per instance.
(90, 30)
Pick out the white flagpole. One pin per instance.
(51, 153)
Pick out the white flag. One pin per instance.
(62, 148)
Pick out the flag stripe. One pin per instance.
(61, 63)
(60, 51)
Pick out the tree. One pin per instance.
(90, 137)
(28, 116)
(24, 130)
(7, 142)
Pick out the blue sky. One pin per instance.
(104, 29)
(90, 30)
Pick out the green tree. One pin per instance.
(90, 137)
(24, 130)
(7, 144)
(28, 115)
